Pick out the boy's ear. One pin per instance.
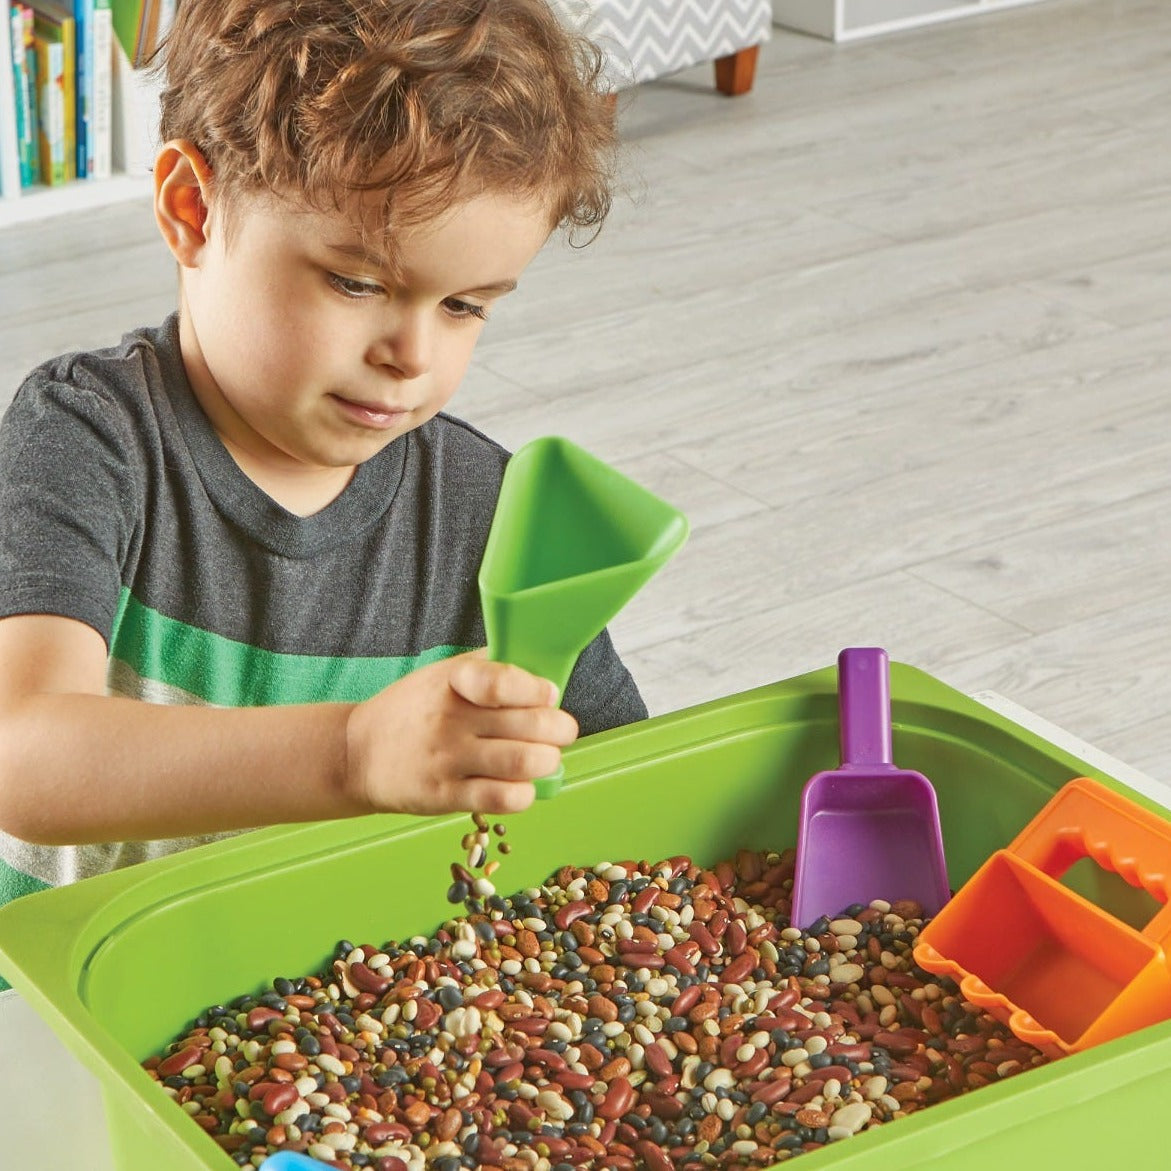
(183, 186)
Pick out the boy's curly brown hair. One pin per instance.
(420, 102)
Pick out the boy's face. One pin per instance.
(305, 353)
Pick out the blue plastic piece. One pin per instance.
(290, 1161)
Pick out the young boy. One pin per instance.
(238, 551)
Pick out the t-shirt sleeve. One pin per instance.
(67, 497)
(601, 693)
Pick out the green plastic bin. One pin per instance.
(119, 964)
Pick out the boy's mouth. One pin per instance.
(377, 416)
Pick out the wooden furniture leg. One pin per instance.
(736, 73)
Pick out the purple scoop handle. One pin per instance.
(864, 706)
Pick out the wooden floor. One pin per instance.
(894, 330)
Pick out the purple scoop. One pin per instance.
(868, 830)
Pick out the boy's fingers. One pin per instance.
(516, 760)
(540, 725)
(496, 685)
(487, 795)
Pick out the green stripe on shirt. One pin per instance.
(228, 673)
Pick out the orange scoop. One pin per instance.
(1061, 972)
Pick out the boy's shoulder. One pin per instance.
(454, 445)
(103, 377)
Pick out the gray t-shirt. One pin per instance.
(121, 507)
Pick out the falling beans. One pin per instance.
(466, 887)
(638, 1015)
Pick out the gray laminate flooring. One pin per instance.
(893, 330)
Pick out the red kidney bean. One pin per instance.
(636, 947)
(571, 912)
(531, 1026)
(686, 1000)
(784, 1000)
(520, 1115)
(735, 938)
(279, 1098)
(627, 1134)
(261, 1015)
(757, 1063)
(547, 1058)
(332, 1024)
(739, 969)
(178, 1062)
(657, 1060)
(368, 980)
(728, 1047)
(619, 1098)
(851, 1052)
(803, 1094)
(663, 1105)
(653, 1156)
(497, 1058)
(770, 1093)
(896, 1044)
(570, 1079)
(645, 899)
(705, 939)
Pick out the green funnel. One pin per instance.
(572, 541)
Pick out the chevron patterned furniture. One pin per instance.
(645, 39)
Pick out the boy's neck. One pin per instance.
(302, 491)
(298, 489)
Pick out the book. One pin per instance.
(83, 31)
(54, 33)
(136, 115)
(103, 90)
(128, 22)
(9, 137)
(140, 26)
(95, 87)
(24, 72)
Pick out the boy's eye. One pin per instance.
(348, 287)
(458, 308)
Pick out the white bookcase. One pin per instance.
(851, 20)
(135, 134)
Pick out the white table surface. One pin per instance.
(37, 1073)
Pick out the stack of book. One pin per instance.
(59, 63)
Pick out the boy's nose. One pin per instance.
(404, 348)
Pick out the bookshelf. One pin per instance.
(134, 115)
(851, 20)
(38, 203)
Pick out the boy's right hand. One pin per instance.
(464, 733)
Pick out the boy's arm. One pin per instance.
(79, 766)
